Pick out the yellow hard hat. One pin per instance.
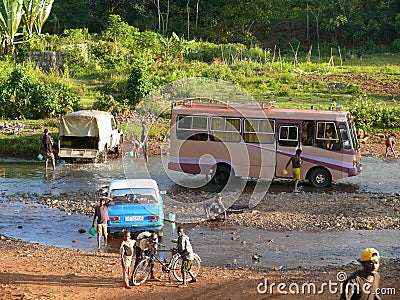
(369, 254)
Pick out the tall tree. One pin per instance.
(188, 19)
(241, 20)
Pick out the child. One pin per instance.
(186, 252)
(126, 252)
(296, 164)
(136, 147)
(390, 142)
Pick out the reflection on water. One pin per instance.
(216, 243)
(378, 176)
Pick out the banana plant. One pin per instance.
(11, 12)
(44, 12)
(32, 10)
(181, 46)
(166, 43)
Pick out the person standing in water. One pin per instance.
(47, 143)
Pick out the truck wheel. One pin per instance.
(320, 178)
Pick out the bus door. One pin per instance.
(259, 138)
(286, 145)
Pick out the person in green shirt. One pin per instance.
(363, 284)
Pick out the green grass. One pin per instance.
(301, 86)
(27, 143)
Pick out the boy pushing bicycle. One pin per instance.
(186, 252)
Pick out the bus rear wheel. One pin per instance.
(221, 175)
(320, 178)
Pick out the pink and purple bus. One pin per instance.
(256, 141)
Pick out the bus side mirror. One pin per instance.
(163, 192)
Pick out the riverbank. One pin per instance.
(22, 139)
(31, 271)
(278, 211)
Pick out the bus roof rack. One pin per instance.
(267, 104)
(191, 101)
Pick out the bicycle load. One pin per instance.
(183, 260)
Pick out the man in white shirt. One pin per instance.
(186, 252)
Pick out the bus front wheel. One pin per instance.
(320, 178)
(221, 175)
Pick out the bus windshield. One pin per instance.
(353, 133)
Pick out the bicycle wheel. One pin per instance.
(176, 268)
(142, 272)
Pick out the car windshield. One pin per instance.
(127, 196)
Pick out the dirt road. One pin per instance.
(31, 271)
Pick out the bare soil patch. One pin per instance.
(31, 271)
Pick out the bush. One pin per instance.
(370, 114)
(396, 45)
(24, 96)
(370, 47)
(108, 103)
(139, 83)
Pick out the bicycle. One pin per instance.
(142, 271)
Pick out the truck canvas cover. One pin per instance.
(85, 123)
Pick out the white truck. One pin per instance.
(88, 134)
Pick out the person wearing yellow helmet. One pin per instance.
(363, 284)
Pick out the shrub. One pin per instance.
(369, 114)
(204, 51)
(108, 103)
(396, 45)
(139, 83)
(24, 96)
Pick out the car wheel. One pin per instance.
(320, 178)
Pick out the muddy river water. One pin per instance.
(217, 243)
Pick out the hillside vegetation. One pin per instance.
(118, 68)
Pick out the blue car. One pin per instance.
(137, 205)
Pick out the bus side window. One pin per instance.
(327, 136)
(192, 128)
(307, 135)
(224, 129)
(288, 136)
(259, 131)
